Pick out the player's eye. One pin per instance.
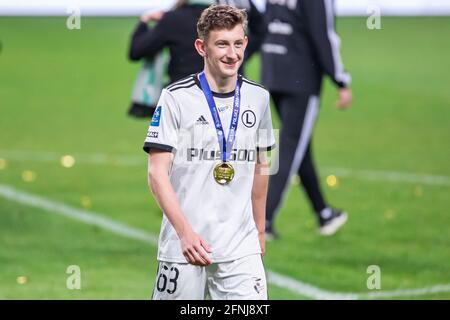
(239, 44)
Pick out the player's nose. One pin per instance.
(232, 53)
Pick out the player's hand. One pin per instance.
(146, 17)
(195, 249)
(262, 242)
(345, 98)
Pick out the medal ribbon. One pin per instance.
(225, 144)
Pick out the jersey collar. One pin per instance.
(218, 94)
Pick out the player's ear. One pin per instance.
(200, 47)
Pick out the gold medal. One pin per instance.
(223, 173)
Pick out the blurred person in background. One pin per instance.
(176, 30)
(301, 46)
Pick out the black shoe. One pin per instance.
(330, 224)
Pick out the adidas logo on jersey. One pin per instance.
(202, 120)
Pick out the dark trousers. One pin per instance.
(298, 114)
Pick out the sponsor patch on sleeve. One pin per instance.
(156, 117)
(152, 134)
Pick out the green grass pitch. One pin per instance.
(66, 92)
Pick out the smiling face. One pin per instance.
(221, 42)
(223, 50)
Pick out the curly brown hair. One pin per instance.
(219, 17)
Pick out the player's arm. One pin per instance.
(147, 42)
(320, 22)
(194, 248)
(259, 195)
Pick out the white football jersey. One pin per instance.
(220, 214)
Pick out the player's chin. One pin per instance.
(230, 69)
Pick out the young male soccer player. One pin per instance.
(206, 145)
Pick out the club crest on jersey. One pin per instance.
(156, 117)
(248, 118)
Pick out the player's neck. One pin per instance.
(219, 84)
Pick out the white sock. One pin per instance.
(325, 213)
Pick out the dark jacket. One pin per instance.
(301, 46)
(177, 30)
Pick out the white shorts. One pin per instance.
(240, 279)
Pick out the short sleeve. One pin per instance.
(265, 136)
(163, 130)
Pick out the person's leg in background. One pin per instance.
(329, 219)
(297, 114)
(310, 182)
